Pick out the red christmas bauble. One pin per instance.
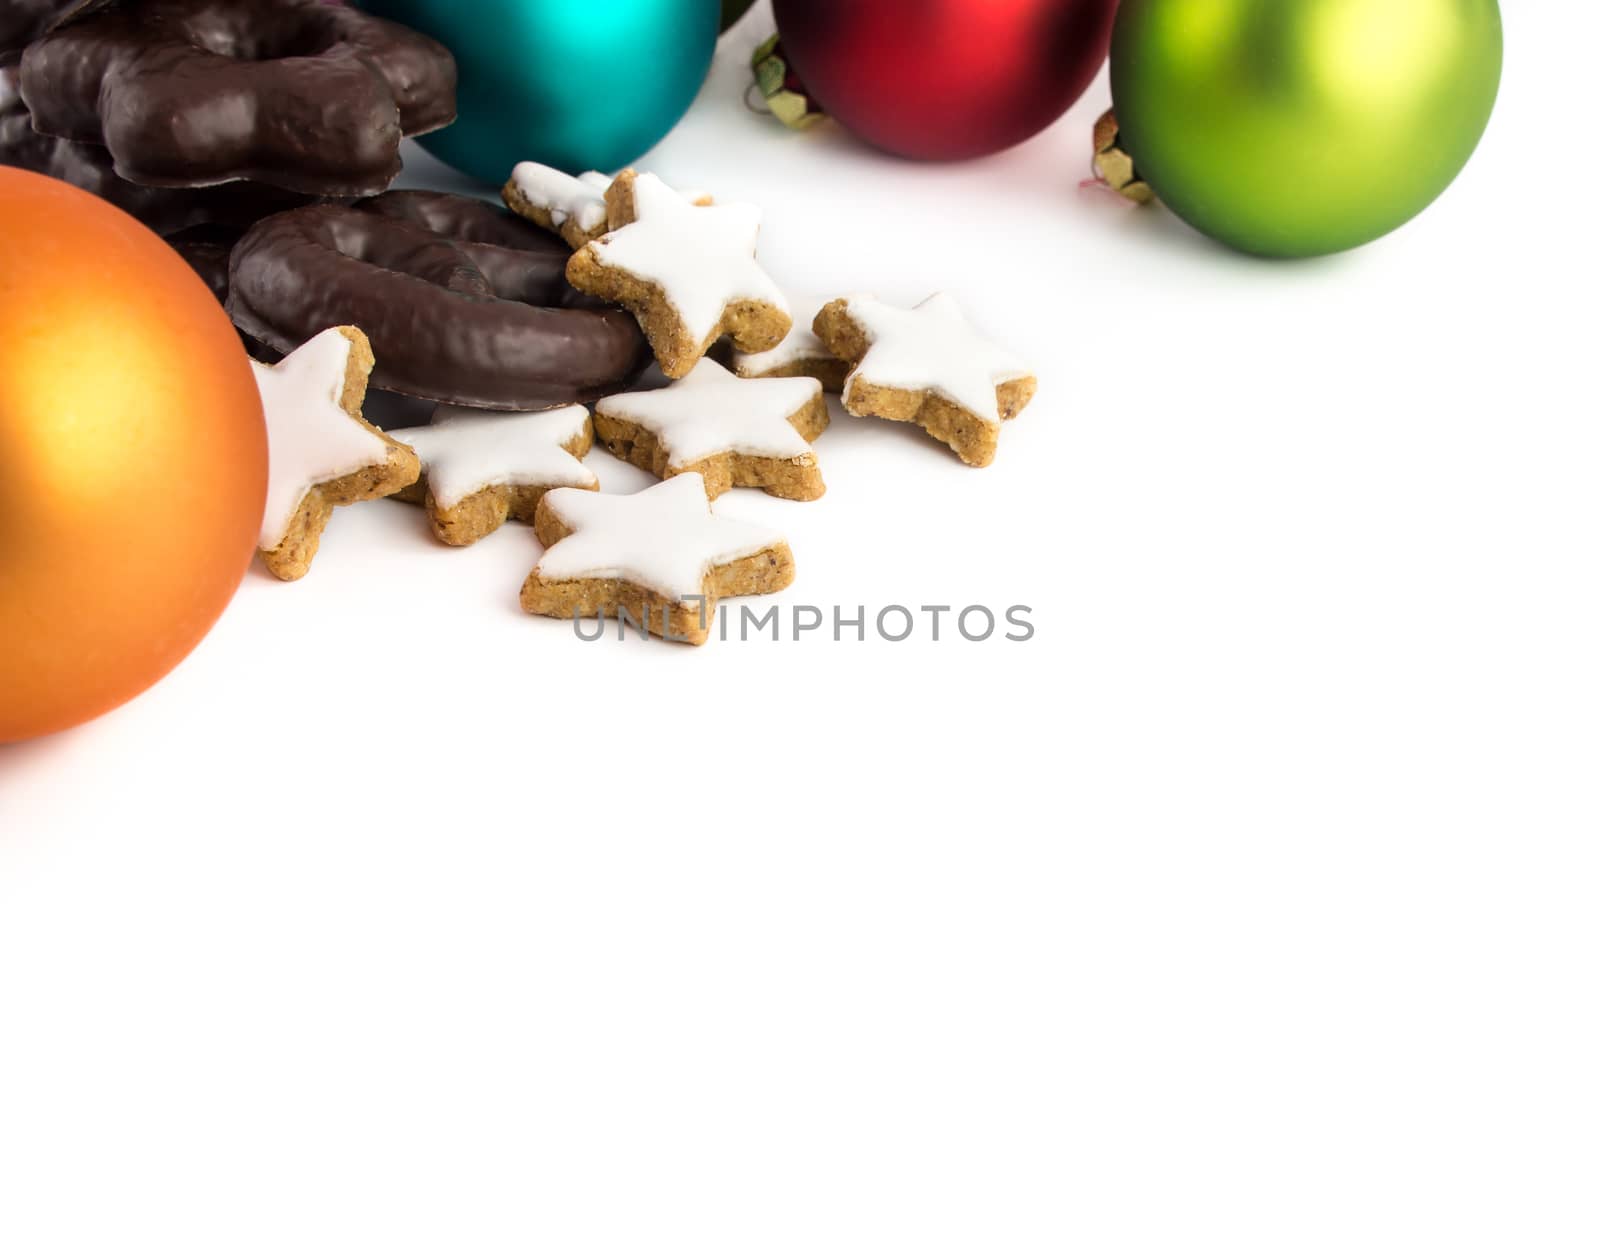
(949, 80)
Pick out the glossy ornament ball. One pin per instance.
(1294, 128)
(133, 457)
(952, 80)
(578, 84)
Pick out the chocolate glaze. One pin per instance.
(294, 93)
(207, 249)
(464, 303)
(166, 211)
(23, 21)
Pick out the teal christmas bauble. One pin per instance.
(578, 84)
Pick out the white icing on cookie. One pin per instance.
(565, 197)
(665, 538)
(464, 453)
(311, 439)
(800, 345)
(711, 412)
(703, 258)
(599, 180)
(932, 347)
(580, 198)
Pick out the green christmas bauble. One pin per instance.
(1294, 128)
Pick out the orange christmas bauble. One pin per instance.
(133, 457)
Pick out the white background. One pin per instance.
(1256, 894)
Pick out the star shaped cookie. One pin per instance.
(573, 207)
(926, 365)
(661, 557)
(688, 273)
(800, 355)
(321, 452)
(483, 468)
(733, 431)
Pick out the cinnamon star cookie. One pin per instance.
(928, 366)
(483, 468)
(733, 431)
(661, 557)
(688, 273)
(321, 452)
